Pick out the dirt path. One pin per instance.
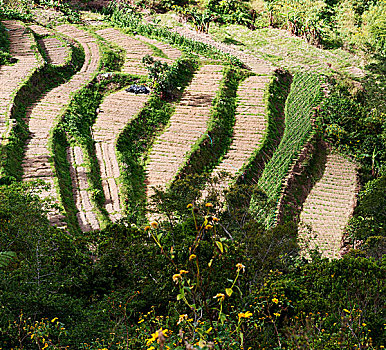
(329, 206)
(116, 111)
(43, 115)
(187, 125)
(249, 128)
(11, 77)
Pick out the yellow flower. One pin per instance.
(220, 296)
(141, 320)
(276, 314)
(345, 310)
(215, 219)
(240, 267)
(192, 257)
(151, 348)
(189, 205)
(208, 227)
(182, 318)
(245, 315)
(275, 300)
(182, 272)
(54, 319)
(154, 224)
(209, 205)
(147, 228)
(154, 337)
(177, 277)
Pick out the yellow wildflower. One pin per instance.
(177, 277)
(182, 318)
(208, 227)
(245, 315)
(275, 300)
(147, 228)
(220, 296)
(345, 310)
(141, 320)
(182, 272)
(54, 319)
(192, 257)
(189, 205)
(154, 337)
(215, 219)
(209, 205)
(240, 267)
(276, 314)
(154, 224)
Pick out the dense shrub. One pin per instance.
(356, 127)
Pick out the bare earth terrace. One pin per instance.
(44, 114)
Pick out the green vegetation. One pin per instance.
(304, 96)
(136, 140)
(204, 278)
(126, 17)
(76, 124)
(275, 100)
(210, 148)
(4, 46)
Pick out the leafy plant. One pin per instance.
(6, 258)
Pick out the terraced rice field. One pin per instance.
(187, 125)
(43, 115)
(325, 211)
(249, 128)
(329, 206)
(115, 112)
(135, 50)
(87, 218)
(11, 77)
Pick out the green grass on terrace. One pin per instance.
(285, 50)
(304, 95)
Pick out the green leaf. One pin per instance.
(220, 246)
(222, 318)
(229, 291)
(5, 258)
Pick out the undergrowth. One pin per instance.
(4, 45)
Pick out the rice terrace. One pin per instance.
(192, 174)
